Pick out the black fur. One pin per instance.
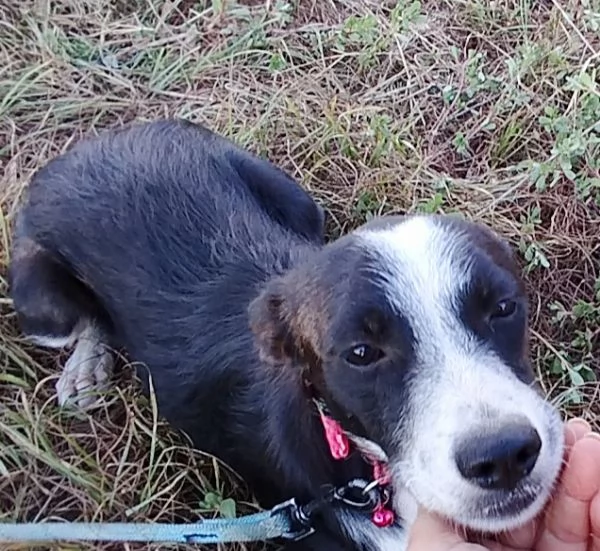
(163, 234)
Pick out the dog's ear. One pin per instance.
(497, 247)
(269, 322)
(279, 326)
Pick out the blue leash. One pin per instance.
(285, 521)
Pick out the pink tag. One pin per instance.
(339, 446)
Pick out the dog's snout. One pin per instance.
(499, 459)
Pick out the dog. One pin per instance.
(396, 355)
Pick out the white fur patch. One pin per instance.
(460, 386)
(50, 341)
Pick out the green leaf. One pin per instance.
(576, 378)
(218, 7)
(227, 508)
(277, 63)
(460, 143)
(211, 501)
(574, 397)
(544, 262)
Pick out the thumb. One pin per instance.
(429, 532)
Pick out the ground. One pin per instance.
(486, 108)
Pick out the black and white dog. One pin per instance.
(406, 340)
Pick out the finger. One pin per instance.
(523, 537)
(567, 525)
(582, 479)
(595, 523)
(576, 429)
(431, 532)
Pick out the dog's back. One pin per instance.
(159, 234)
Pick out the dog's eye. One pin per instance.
(504, 309)
(363, 354)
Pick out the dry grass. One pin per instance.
(487, 108)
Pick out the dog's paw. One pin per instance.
(86, 374)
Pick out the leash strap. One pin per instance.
(281, 522)
(287, 521)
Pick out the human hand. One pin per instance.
(571, 521)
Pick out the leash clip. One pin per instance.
(299, 521)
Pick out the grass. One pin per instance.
(489, 109)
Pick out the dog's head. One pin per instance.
(418, 326)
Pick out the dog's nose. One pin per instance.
(500, 459)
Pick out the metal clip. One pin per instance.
(299, 521)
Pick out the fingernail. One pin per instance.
(593, 435)
(579, 421)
